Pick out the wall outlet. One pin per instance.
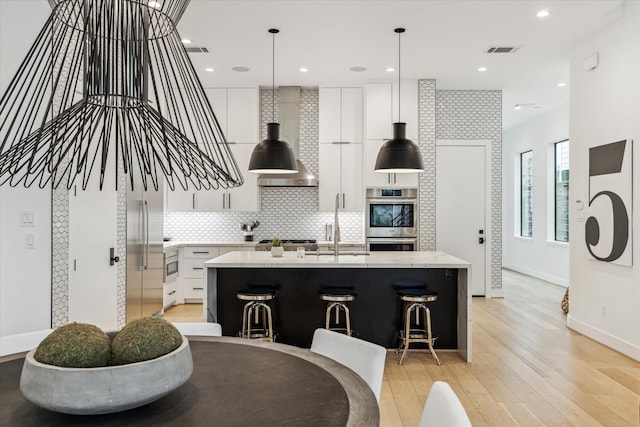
(27, 219)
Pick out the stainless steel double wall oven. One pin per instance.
(392, 219)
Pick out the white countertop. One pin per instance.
(177, 244)
(262, 259)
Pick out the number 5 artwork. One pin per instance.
(608, 229)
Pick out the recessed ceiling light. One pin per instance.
(186, 41)
(542, 14)
(358, 69)
(517, 107)
(240, 69)
(390, 69)
(154, 4)
(209, 70)
(562, 84)
(303, 69)
(482, 69)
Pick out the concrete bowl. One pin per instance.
(92, 391)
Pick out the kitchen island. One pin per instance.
(375, 315)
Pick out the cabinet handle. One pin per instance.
(197, 289)
(197, 268)
(193, 200)
(388, 178)
(229, 200)
(343, 205)
(394, 177)
(172, 292)
(340, 142)
(200, 252)
(224, 202)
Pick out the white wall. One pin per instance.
(539, 256)
(605, 107)
(25, 274)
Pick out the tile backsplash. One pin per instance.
(290, 213)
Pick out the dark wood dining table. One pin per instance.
(235, 382)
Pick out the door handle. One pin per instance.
(113, 258)
(481, 240)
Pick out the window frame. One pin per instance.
(555, 191)
(520, 192)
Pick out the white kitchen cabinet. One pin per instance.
(341, 173)
(191, 271)
(171, 293)
(382, 109)
(378, 179)
(237, 111)
(237, 199)
(340, 150)
(340, 115)
(191, 267)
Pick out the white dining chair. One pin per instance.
(364, 358)
(443, 408)
(19, 343)
(207, 329)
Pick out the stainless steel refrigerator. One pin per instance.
(145, 262)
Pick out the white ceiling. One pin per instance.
(445, 40)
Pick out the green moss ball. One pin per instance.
(144, 339)
(76, 345)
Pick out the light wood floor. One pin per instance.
(528, 369)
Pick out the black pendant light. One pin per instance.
(273, 155)
(399, 155)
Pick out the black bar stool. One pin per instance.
(336, 298)
(257, 320)
(414, 295)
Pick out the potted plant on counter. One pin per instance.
(276, 247)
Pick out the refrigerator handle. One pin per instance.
(146, 234)
(141, 237)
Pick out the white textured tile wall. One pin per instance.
(288, 212)
(477, 114)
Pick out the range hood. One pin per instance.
(289, 119)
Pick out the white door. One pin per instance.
(461, 205)
(92, 281)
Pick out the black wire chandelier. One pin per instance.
(108, 84)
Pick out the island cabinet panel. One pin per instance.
(376, 314)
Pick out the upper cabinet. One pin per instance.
(381, 112)
(340, 114)
(340, 151)
(382, 108)
(237, 111)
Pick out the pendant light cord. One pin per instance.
(273, 77)
(399, 76)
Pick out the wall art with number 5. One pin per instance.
(608, 229)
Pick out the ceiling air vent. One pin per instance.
(196, 49)
(502, 49)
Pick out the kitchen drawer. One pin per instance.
(203, 252)
(193, 289)
(192, 268)
(170, 293)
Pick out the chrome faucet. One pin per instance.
(336, 228)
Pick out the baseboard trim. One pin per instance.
(538, 275)
(619, 345)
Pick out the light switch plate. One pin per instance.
(30, 241)
(27, 219)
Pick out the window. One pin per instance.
(561, 190)
(526, 178)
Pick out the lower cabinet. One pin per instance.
(192, 271)
(171, 293)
